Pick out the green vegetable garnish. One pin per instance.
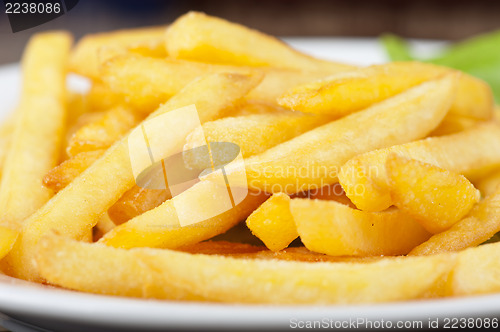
(478, 56)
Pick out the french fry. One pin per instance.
(313, 159)
(222, 248)
(327, 193)
(91, 194)
(478, 226)
(247, 131)
(154, 273)
(6, 130)
(349, 92)
(135, 202)
(38, 133)
(335, 229)
(452, 124)
(100, 97)
(103, 226)
(199, 37)
(435, 197)
(476, 271)
(103, 132)
(63, 174)
(489, 183)
(273, 223)
(85, 57)
(148, 82)
(463, 153)
(160, 227)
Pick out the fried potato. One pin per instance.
(6, 130)
(352, 91)
(222, 248)
(452, 124)
(313, 159)
(148, 82)
(335, 229)
(334, 192)
(478, 226)
(100, 97)
(91, 194)
(114, 271)
(103, 132)
(103, 226)
(273, 223)
(435, 197)
(38, 133)
(463, 153)
(85, 57)
(199, 37)
(166, 274)
(253, 133)
(477, 271)
(135, 202)
(489, 183)
(161, 228)
(63, 174)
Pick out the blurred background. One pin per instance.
(434, 19)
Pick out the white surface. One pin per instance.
(31, 301)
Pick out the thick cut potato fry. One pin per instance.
(148, 82)
(167, 274)
(103, 132)
(114, 271)
(463, 153)
(199, 37)
(435, 197)
(135, 202)
(100, 97)
(335, 192)
(478, 226)
(335, 229)
(6, 130)
(273, 223)
(489, 183)
(222, 248)
(349, 92)
(85, 57)
(38, 133)
(160, 227)
(253, 133)
(476, 271)
(103, 226)
(77, 208)
(63, 174)
(313, 159)
(452, 124)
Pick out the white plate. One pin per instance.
(61, 309)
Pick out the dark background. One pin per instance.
(438, 19)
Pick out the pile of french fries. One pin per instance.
(361, 180)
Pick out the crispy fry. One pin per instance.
(313, 159)
(273, 223)
(352, 91)
(489, 183)
(64, 173)
(463, 153)
(199, 37)
(146, 41)
(327, 193)
(452, 124)
(103, 132)
(135, 202)
(253, 133)
(100, 97)
(160, 227)
(91, 194)
(335, 229)
(154, 273)
(6, 130)
(103, 226)
(38, 133)
(147, 82)
(435, 197)
(478, 226)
